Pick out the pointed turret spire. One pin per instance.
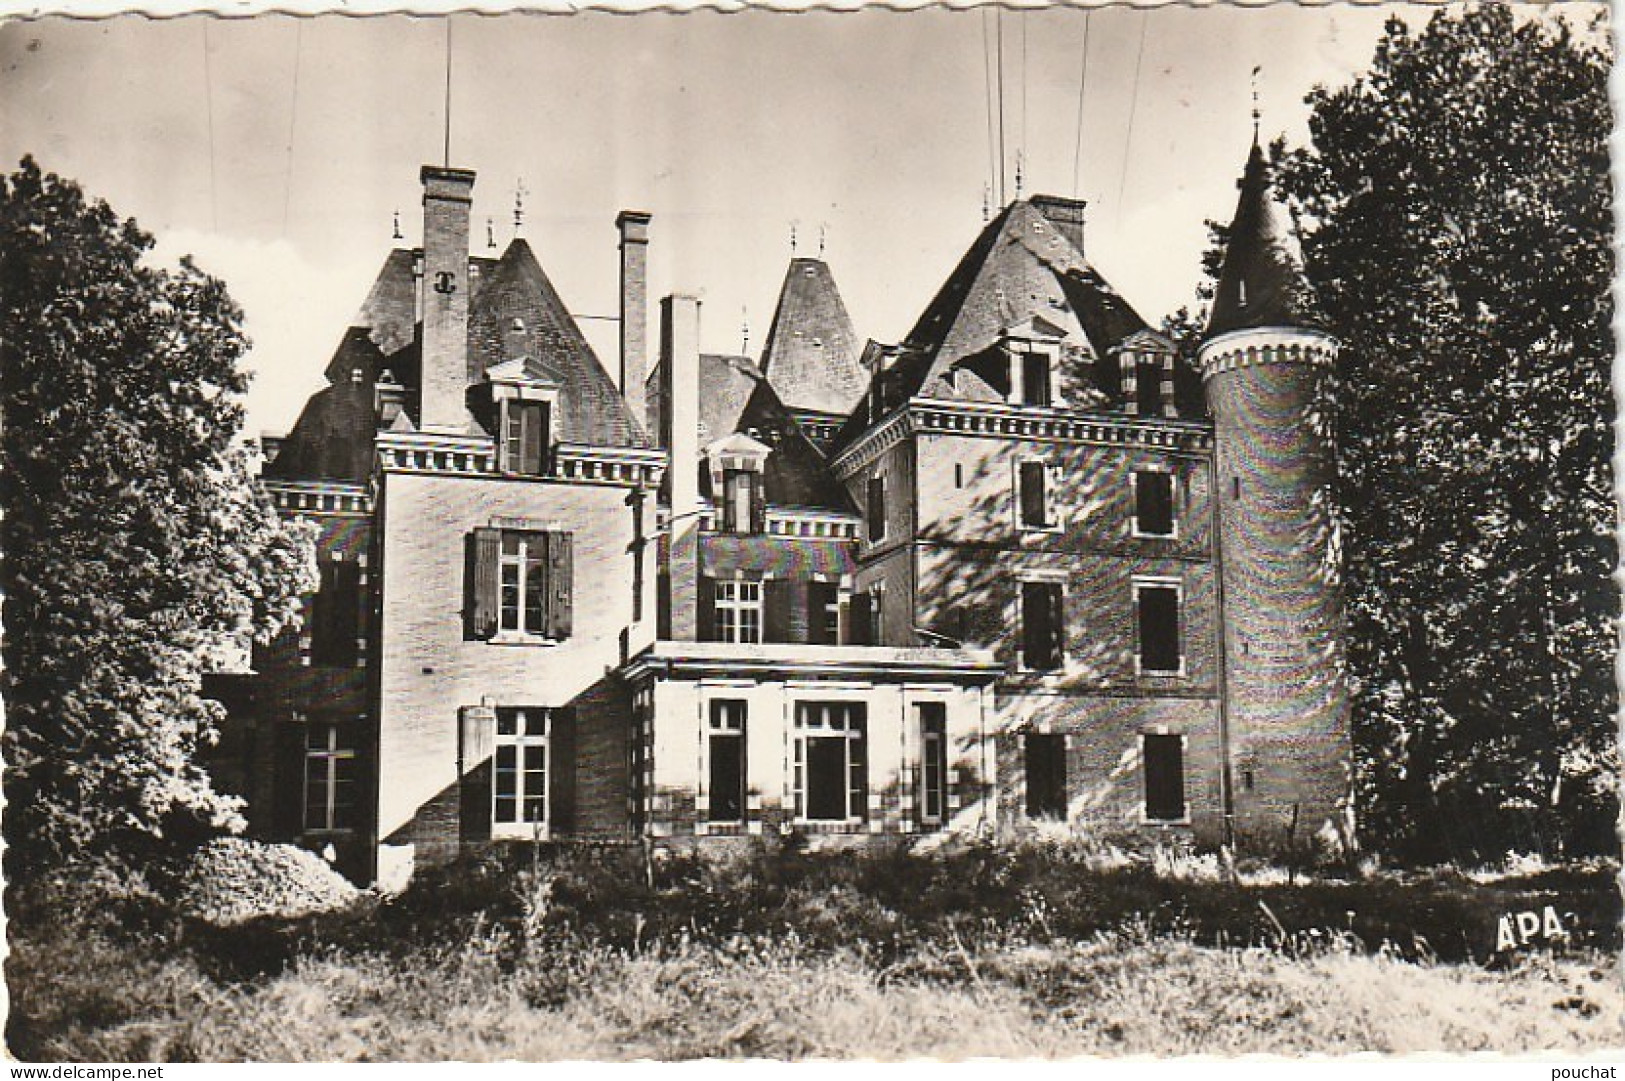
(1262, 283)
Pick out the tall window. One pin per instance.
(1042, 625)
(329, 778)
(1158, 618)
(1046, 775)
(1153, 503)
(739, 611)
(877, 509)
(742, 507)
(1033, 492)
(1035, 379)
(727, 754)
(1164, 757)
(933, 719)
(525, 438)
(831, 761)
(524, 582)
(1148, 386)
(336, 615)
(519, 779)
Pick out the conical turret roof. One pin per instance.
(1262, 282)
(811, 356)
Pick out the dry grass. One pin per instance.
(496, 999)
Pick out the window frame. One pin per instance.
(512, 445)
(875, 496)
(1059, 584)
(853, 731)
(1046, 472)
(729, 611)
(1054, 740)
(329, 755)
(1183, 744)
(522, 740)
(1135, 529)
(736, 728)
(931, 724)
(1142, 584)
(524, 586)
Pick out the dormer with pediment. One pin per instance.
(1145, 365)
(737, 465)
(521, 398)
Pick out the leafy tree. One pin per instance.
(135, 540)
(1455, 205)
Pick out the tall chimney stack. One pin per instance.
(447, 195)
(634, 227)
(680, 399)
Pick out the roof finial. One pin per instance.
(398, 226)
(1256, 114)
(822, 229)
(987, 199)
(792, 240)
(1018, 174)
(744, 330)
(490, 234)
(518, 206)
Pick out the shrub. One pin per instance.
(230, 880)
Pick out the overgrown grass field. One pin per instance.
(986, 950)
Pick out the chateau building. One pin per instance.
(1026, 564)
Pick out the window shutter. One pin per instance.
(820, 595)
(859, 746)
(861, 619)
(877, 508)
(344, 613)
(776, 610)
(758, 503)
(288, 811)
(476, 731)
(559, 614)
(321, 614)
(705, 609)
(1057, 623)
(530, 437)
(561, 778)
(481, 579)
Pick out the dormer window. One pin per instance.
(1032, 351)
(737, 467)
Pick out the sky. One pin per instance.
(278, 150)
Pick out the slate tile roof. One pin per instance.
(333, 437)
(1261, 283)
(811, 354)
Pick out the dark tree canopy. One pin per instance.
(1455, 206)
(135, 541)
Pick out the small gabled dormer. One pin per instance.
(1033, 351)
(524, 398)
(737, 465)
(1146, 366)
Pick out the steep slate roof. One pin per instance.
(811, 355)
(591, 409)
(796, 474)
(1261, 257)
(1023, 266)
(333, 437)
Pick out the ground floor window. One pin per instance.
(727, 754)
(831, 761)
(933, 718)
(1164, 757)
(330, 765)
(1046, 775)
(519, 780)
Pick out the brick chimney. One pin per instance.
(634, 227)
(447, 194)
(680, 399)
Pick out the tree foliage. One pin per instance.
(135, 541)
(1456, 213)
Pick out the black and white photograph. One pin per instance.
(981, 532)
